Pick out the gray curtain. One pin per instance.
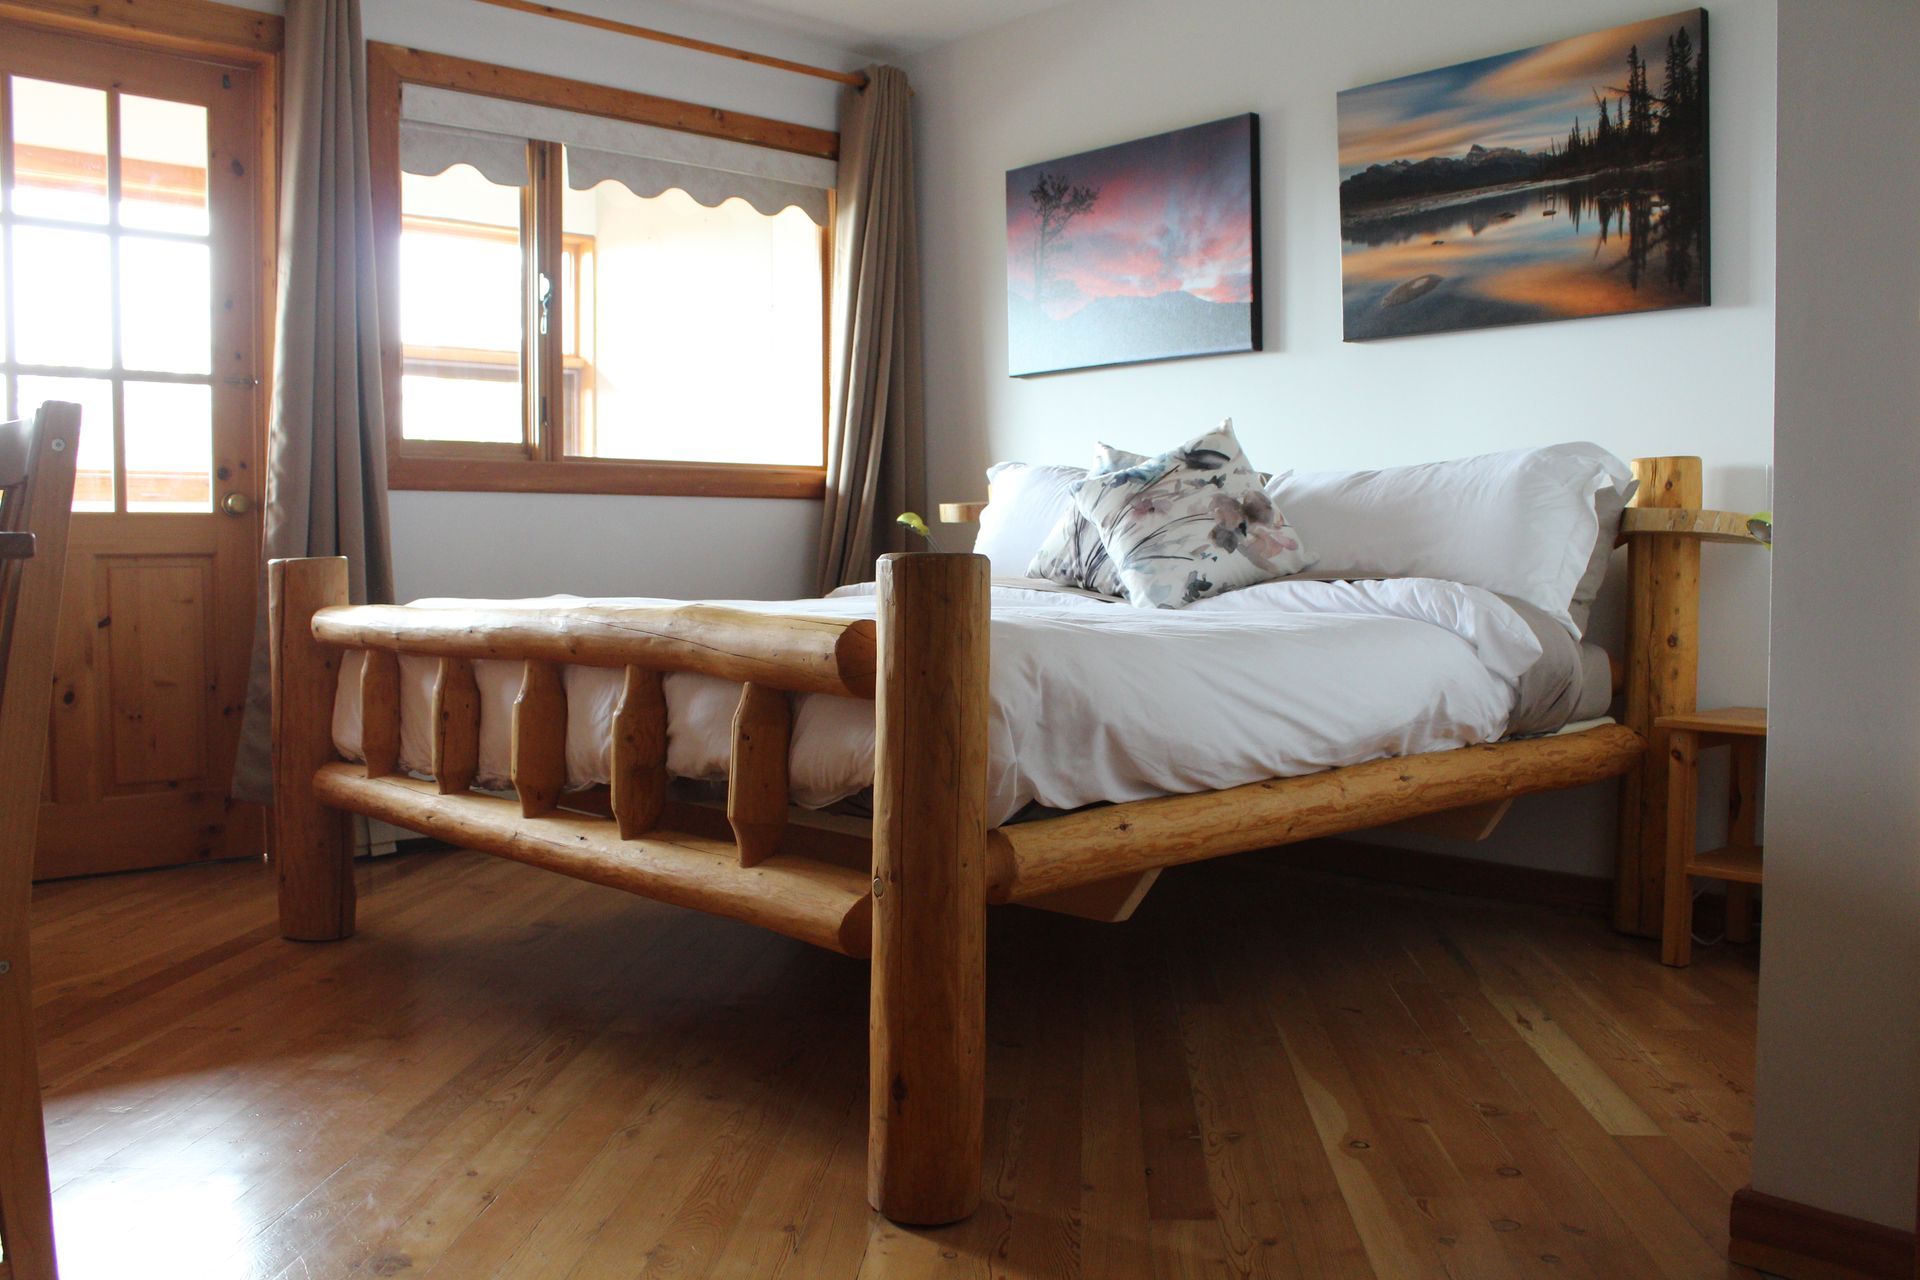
(876, 434)
(326, 450)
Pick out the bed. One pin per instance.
(556, 732)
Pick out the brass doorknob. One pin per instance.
(236, 504)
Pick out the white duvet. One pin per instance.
(1092, 701)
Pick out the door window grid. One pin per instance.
(178, 484)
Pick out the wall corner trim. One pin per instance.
(1800, 1242)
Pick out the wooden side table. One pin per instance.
(1744, 729)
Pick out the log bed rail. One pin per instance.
(917, 911)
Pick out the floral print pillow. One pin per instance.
(1191, 523)
(1073, 554)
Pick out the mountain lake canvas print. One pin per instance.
(1562, 181)
(1142, 251)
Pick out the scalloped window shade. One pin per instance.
(440, 128)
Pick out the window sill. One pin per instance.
(585, 475)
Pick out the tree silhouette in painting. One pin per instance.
(1643, 127)
(1056, 202)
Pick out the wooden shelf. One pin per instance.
(1743, 731)
(1745, 722)
(1698, 523)
(1739, 863)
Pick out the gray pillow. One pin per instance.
(1569, 681)
(1073, 554)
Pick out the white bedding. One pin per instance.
(1092, 701)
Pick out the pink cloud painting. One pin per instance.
(1143, 251)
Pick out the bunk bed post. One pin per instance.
(927, 1027)
(311, 842)
(1663, 663)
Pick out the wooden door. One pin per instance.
(133, 201)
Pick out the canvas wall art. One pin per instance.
(1561, 181)
(1143, 251)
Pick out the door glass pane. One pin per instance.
(59, 151)
(165, 306)
(163, 165)
(62, 279)
(93, 485)
(708, 331)
(169, 446)
(462, 286)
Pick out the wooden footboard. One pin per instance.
(918, 911)
(773, 655)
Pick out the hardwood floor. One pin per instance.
(1268, 1072)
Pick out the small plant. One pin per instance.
(912, 520)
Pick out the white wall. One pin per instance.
(1089, 74)
(1838, 1121)
(537, 544)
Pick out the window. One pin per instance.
(461, 270)
(105, 240)
(594, 302)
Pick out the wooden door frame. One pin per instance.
(181, 26)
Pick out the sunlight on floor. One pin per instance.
(146, 1223)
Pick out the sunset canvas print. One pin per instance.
(1142, 251)
(1562, 181)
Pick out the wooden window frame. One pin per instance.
(541, 465)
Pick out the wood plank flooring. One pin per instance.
(1268, 1072)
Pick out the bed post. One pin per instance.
(1663, 664)
(311, 842)
(927, 1028)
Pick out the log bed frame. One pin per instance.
(917, 910)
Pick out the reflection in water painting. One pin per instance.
(1561, 181)
(1142, 251)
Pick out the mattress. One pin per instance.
(1091, 701)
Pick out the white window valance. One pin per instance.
(430, 149)
(440, 128)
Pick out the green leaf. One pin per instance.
(912, 520)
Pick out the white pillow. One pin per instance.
(1523, 523)
(1024, 503)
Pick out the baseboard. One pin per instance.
(1801, 1242)
(1591, 895)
